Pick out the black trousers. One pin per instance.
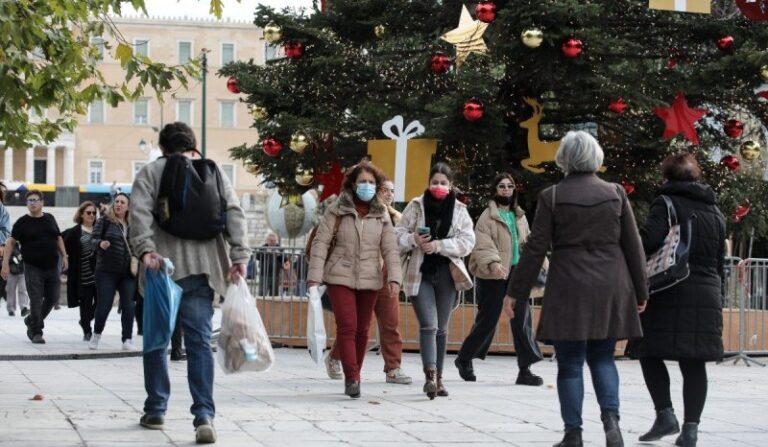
(489, 296)
(694, 385)
(87, 307)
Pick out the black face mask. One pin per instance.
(503, 201)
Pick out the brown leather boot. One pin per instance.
(430, 386)
(441, 391)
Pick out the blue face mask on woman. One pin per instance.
(365, 191)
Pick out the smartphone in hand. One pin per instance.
(423, 230)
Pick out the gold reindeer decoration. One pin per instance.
(538, 151)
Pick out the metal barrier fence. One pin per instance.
(277, 278)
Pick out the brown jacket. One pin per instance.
(493, 241)
(360, 244)
(597, 273)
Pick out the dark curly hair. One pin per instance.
(176, 138)
(681, 167)
(363, 166)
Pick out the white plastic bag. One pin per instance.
(315, 324)
(243, 342)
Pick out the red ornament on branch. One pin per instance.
(331, 181)
(741, 212)
(473, 110)
(755, 10)
(618, 106)
(485, 11)
(680, 119)
(440, 63)
(725, 43)
(271, 146)
(294, 49)
(628, 186)
(734, 128)
(232, 85)
(730, 162)
(572, 47)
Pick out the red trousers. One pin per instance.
(353, 310)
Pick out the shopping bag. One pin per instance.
(244, 344)
(315, 324)
(162, 298)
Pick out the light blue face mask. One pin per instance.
(365, 191)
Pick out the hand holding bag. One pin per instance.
(162, 298)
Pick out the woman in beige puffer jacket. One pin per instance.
(500, 234)
(354, 234)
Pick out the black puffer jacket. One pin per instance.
(686, 320)
(116, 258)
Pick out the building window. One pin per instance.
(227, 114)
(138, 166)
(141, 111)
(141, 47)
(229, 171)
(271, 51)
(98, 43)
(96, 112)
(184, 111)
(95, 171)
(227, 53)
(185, 52)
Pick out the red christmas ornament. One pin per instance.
(755, 10)
(294, 49)
(730, 162)
(271, 146)
(572, 47)
(485, 11)
(629, 187)
(680, 119)
(734, 128)
(725, 43)
(331, 181)
(440, 63)
(741, 211)
(232, 85)
(618, 106)
(473, 110)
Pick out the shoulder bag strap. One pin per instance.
(671, 213)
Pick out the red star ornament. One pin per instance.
(331, 181)
(680, 119)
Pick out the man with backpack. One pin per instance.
(184, 209)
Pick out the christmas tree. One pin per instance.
(499, 83)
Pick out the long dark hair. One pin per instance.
(441, 167)
(504, 176)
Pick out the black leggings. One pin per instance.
(694, 385)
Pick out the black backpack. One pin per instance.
(191, 203)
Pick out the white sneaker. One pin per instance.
(128, 345)
(94, 343)
(333, 367)
(397, 375)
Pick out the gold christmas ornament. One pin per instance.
(304, 177)
(532, 38)
(380, 31)
(251, 168)
(273, 32)
(764, 73)
(467, 37)
(258, 112)
(299, 142)
(750, 150)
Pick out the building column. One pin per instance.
(50, 166)
(8, 165)
(69, 166)
(29, 173)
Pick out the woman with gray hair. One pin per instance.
(596, 283)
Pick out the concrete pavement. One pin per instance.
(97, 402)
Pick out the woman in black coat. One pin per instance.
(81, 282)
(684, 322)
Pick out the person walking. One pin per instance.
(270, 260)
(202, 267)
(596, 283)
(109, 239)
(387, 311)
(355, 233)
(81, 277)
(41, 249)
(683, 323)
(14, 290)
(500, 234)
(435, 234)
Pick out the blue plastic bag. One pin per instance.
(162, 298)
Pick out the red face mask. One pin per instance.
(439, 192)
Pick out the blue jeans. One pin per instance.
(570, 379)
(107, 283)
(195, 315)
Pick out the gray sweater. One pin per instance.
(212, 257)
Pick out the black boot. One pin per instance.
(689, 436)
(612, 431)
(526, 377)
(665, 424)
(466, 371)
(572, 438)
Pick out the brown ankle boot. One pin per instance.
(441, 391)
(430, 386)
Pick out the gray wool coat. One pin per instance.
(596, 276)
